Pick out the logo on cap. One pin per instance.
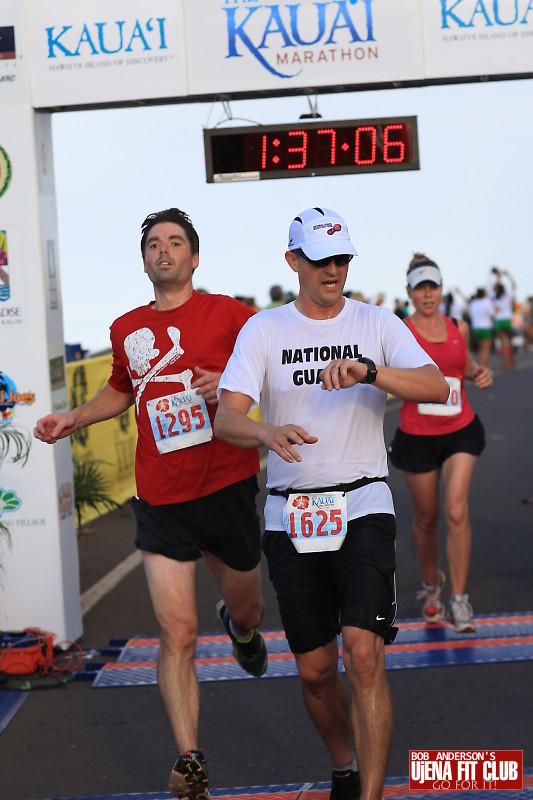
(334, 229)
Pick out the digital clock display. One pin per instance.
(306, 149)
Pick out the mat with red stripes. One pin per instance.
(397, 788)
(499, 638)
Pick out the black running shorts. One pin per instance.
(354, 585)
(413, 453)
(226, 523)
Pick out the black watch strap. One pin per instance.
(371, 371)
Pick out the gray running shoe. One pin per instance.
(188, 778)
(461, 614)
(433, 609)
(252, 655)
(345, 785)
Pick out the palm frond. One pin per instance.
(91, 488)
(15, 443)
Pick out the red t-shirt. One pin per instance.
(154, 356)
(450, 357)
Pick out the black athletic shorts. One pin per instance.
(319, 593)
(413, 453)
(226, 523)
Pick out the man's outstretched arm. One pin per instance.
(106, 404)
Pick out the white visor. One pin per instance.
(424, 273)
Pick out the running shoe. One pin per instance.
(461, 614)
(188, 778)
(345, 785)
(433, 609)
(251, 654)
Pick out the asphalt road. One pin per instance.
(76, 741)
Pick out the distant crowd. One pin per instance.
(498, 320)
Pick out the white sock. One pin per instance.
(351, 767)
(243, 638)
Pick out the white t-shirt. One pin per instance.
(503, 307)
(278, 356)
(457, 308)
(481, 313)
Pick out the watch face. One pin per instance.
(371, 371)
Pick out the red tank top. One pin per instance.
(434, 419)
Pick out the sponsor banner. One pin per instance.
(101, 52)
(96, 52)
(479, 37)
(465, 770)
(247, 46)
(13, 85)
(111, 444)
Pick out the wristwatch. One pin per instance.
(371, 371)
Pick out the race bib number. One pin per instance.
(316, 522)
(448, 409)
(179, 420)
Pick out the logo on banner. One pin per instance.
(5, 171)
(279, 35)
(9, 314)
(106, 38)
(484, 14)
(9, 501)
(15, 441)
(465, 770)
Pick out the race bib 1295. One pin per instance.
(179, 420)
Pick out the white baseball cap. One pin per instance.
(320, 233)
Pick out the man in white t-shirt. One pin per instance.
(321, 368)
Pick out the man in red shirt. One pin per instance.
(196, 495)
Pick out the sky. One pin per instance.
(468, 207)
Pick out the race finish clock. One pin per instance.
(306, 149)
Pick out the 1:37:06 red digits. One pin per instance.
(325, 147)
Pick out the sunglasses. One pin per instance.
(340, 261)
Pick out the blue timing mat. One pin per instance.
(397, 788)
(10, 702)
(499, 638)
